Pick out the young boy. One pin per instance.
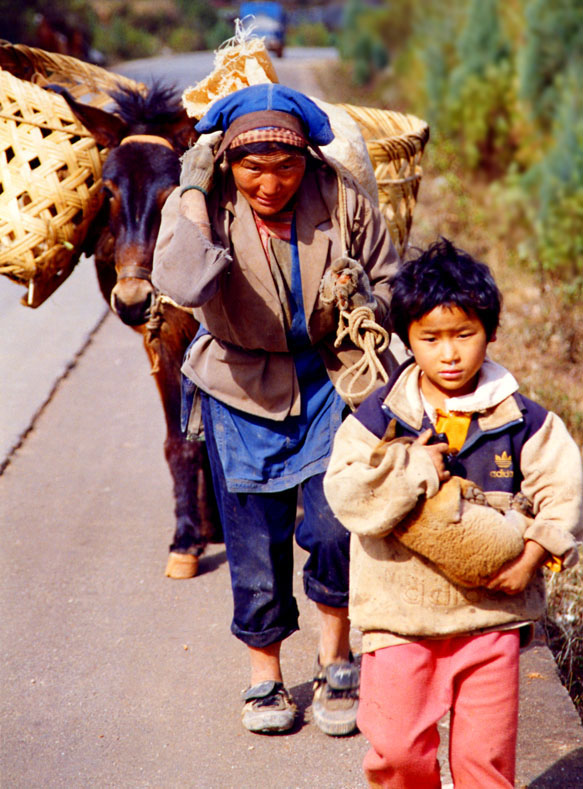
(430, 644)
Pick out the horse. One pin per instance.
(145, 134)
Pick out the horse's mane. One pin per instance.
(160, 105)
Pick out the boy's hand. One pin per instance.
(514, 576)
(436, 453)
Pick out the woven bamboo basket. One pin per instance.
(50, 171)
(395, 144)
(50, 165)
(84, 81)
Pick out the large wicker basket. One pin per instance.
(50, 166)
(395, 144)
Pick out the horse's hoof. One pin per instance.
(181, 565)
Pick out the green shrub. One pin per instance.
(310, 35)
(220, 32)
(553, 43)
(481, 114)
(185, 39)
(360, 42)
(123, 40)
(479, 102)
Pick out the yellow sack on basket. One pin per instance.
(239, 62)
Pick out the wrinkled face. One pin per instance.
(270, 181)
(449, 346)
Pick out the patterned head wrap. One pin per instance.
(267, 106)
(269, 134)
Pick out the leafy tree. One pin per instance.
(553, 44)
(360, 41)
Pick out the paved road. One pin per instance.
(114, 676)
(188, 69)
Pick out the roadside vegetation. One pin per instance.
(503, 178)
(118, 29)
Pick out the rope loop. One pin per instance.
(365, 333)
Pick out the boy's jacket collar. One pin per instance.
(404, 401)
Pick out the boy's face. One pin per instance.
(449, 346)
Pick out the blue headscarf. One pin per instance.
(268, 97)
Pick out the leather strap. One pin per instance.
(153, 139)
(134, 272)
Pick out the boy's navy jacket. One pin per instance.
(490, 457)
(375, 478)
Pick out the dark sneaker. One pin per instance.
(336, 698)
(268, 708)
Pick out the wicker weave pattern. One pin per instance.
(395, 144)
(51, 186)
(50, 165)
(83, 80)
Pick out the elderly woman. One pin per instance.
(247, 240)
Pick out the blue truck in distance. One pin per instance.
(268, 22)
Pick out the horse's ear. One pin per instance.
(107, 128)
(183, 132)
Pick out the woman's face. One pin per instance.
(269, 181)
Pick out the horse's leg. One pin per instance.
(166, 338)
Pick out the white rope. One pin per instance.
(359, 325)
(366, 334)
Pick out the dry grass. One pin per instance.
(564, 628)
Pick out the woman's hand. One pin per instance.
(437, 454)
(198, 164)
(514, 576)
(346, 285)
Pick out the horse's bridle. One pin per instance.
(134, 272)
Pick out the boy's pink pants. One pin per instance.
(406, 689)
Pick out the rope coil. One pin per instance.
(358, 324)
(365, 333)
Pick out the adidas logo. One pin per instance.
(504, 462)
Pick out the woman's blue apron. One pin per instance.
(261, 455)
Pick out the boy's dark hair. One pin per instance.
(443, 276)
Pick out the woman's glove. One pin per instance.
(198, 164)
(347, 285)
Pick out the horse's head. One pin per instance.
(146, 136)
(137, 177)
